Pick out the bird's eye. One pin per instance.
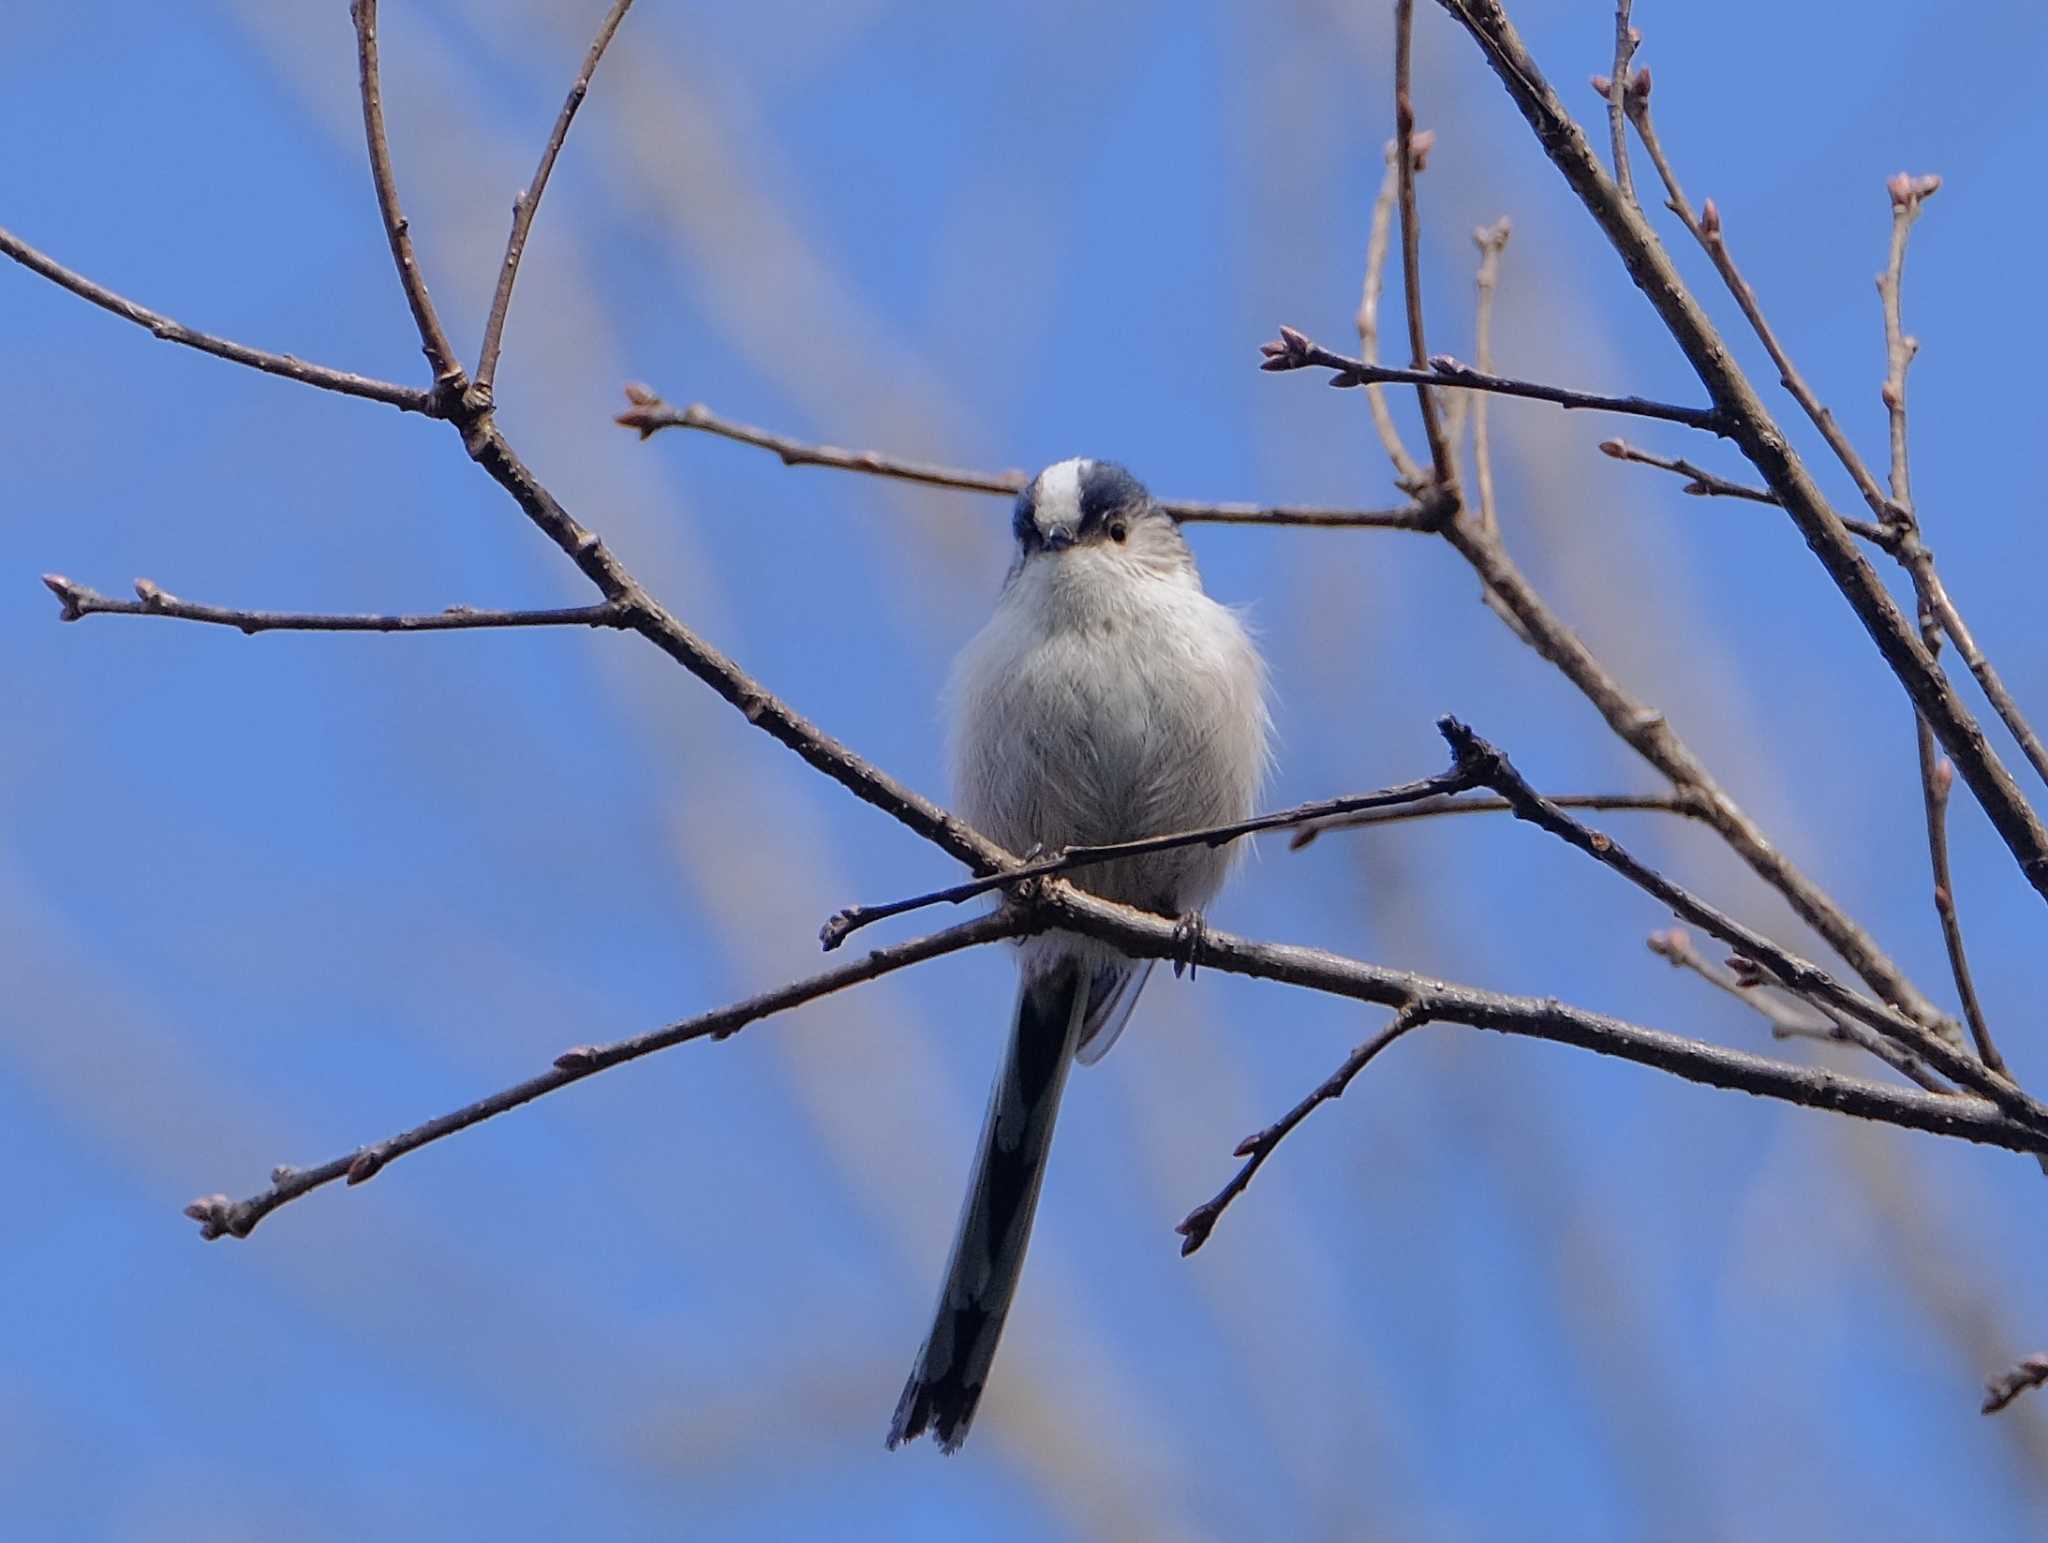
(1118, 530)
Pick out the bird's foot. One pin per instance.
(1188, 933)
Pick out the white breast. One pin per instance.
(1105, 701)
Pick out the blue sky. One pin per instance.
(264, 899)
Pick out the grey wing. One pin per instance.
(1112, 993)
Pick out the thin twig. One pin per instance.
(1616, 87)
(1257, 1147)
(406, 398)
(528, 201)
(1442, 458)
(2007, 1386)
(649, 414)
(1704, 484)
(1800, 976)
(1407, 474)
(440, 353)
(1908, 195)
(1295, 351)
(1937, 774)
(218, 1216)
(1814, 1022)
(151, 599)
(851, 920)
(1658, 803)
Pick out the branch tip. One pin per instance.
(2007, 1386)
(71, 597)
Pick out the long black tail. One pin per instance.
(995, 1223)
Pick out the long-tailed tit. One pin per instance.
(1106, 700)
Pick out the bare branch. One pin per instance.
(77, 601)
(650, 414)
(405, 398)
(1443, 459)
(1257, 1147)
(1680, 803)
(218, 1216)
(1406, 472)
(528, 201)
(851, 920)
(1295, 351)
(1765, 445)
(2007, 1386)
(440, 353)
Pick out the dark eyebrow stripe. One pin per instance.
(1105, 488)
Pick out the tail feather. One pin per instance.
(1112, 993)
(995, 1222)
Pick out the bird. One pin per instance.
(1107, 699)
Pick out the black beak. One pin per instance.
(1059, 540)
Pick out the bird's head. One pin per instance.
(1088, 508)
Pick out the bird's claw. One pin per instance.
(1188, 933)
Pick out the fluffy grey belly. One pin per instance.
(1085, 745)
